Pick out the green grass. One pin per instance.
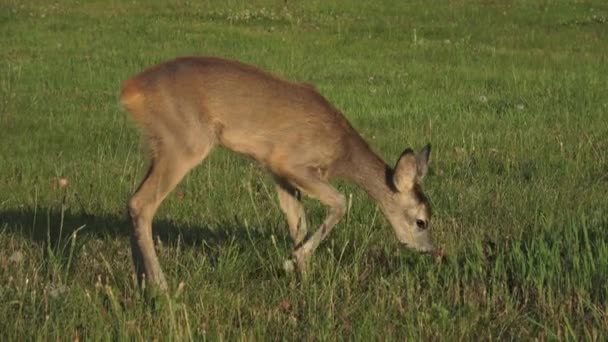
(511, 94)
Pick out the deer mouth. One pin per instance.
(424, 249)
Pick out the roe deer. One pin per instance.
(188, 105)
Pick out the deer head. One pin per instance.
(406, 207)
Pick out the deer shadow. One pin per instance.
(52, 227)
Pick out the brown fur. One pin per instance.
(187, 106)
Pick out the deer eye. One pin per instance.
(421, 224)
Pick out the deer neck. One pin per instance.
(367, 170)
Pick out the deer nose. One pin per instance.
(427, 249)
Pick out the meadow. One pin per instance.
(512, 95)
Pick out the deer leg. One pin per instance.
(320, 189)
(166, 170)
(289, 201)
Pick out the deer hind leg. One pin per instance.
(313, 185)
(168, 166)
(290, 203)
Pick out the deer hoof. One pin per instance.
(289, 266)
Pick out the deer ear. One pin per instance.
(422, 161)
(404, 175)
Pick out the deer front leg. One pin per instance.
(334, 200)
(289, 201)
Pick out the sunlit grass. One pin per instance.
(511, 96)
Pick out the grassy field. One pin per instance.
(511, 94)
